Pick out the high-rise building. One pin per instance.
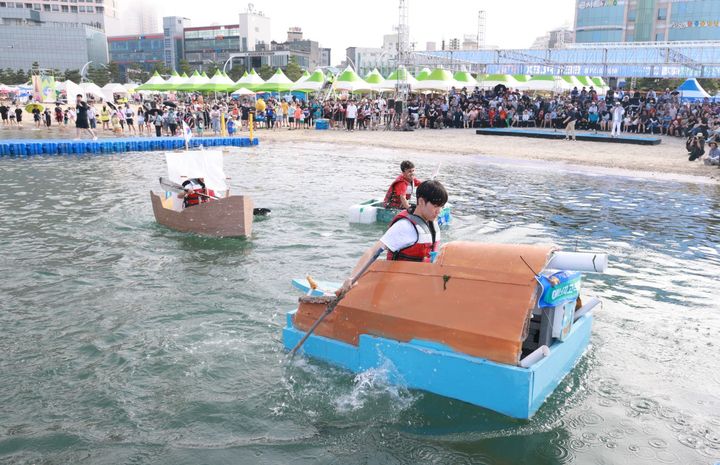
(139, 17)
(254, 29)
(100, 14)
(136, 52)
(453, 44)
(173, 40)
(211, 45)
(27, 36)
(325, 56)
(431, 46)
(646, 20)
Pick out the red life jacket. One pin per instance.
(391, 198)
(193, 197)
(425, 243)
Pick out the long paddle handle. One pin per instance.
(331, 306)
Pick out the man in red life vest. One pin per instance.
(413, 234)
(195, 192)
(401, 189)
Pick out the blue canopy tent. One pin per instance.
(691, 91)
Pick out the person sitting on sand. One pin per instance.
(401, 189)
(413, 235)
(713, 156)
(195, 192)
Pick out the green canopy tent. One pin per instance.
(278, 82)
(313, 83)
(397, 76)
(489, 81)
(193, 82)
(375, 80)
(423, 74)
(542, 82)
(349, 81)
(218, 83)
(174, 82)
(250, 81)
(154, 83)
(439, 80)
(465, 79)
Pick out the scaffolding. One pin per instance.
(699, 59)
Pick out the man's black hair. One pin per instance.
(433, 192)
(406, 165)
(78, 95)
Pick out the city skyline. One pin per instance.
(366, 27)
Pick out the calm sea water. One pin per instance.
(125, 342)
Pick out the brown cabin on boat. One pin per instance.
(476, 298)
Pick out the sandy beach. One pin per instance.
(667, 161)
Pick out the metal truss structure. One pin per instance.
(700, 59)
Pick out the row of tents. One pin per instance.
(437, 80)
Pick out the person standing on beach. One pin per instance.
(81, 121)
(350, 115)
(18, 115)
(617, 118)
(570, 120)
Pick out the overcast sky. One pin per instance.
(510, 23)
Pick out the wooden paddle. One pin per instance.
(173, 186)
(331, 306)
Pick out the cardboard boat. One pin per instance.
(477, 325)
(228, 216)
(373, 211)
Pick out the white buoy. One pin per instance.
(588, 262)
(535, 356)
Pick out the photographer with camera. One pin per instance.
(695, 146)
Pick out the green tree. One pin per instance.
(100, 75)
(72, 75)
(236, 72)
(185, 67)
(21, 77)
(293, 70)
(114, 71)
(265, 72)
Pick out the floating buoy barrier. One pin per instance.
(25, 147)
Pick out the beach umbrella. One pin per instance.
(691, 90)
(312, 83)
(438, 80)
(465, 79)
(278, 82)
(153, 83)
(396, 76)
(423, 74)
(32, 106)
(250, 80)
(349, 81)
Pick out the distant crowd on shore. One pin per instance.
(634, 112)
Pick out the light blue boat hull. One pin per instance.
(511, 390)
